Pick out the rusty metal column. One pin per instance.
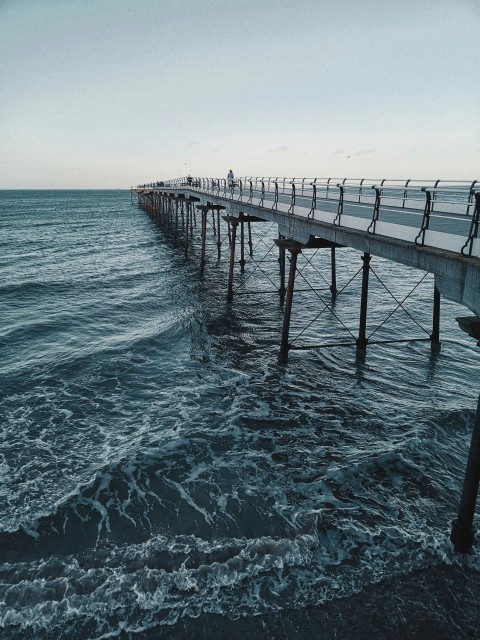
(333, 286)
(284, 345)
(234, 224)
(462, 534)
(362, 339)
(435, 335)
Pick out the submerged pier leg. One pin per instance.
(281, 262)
(167, 212)
(435, 335)
(333, 264)
(204, 239)
(187, 225)
(175, 230)
(242, 244)
(182, 214)
(362, 339)
(160, 208)
(250, 243)
(213, 221)
(234, 224)
(284, 345)
(219, 240)
(462, 534)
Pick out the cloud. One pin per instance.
(190, 145)
(278, 150)
(357, 153)
(361, 153)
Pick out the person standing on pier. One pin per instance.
(230, 179)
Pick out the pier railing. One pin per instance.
(378, 206)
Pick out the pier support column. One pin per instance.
(204, 211)
(284, 346)
(175, 229)
(462, 534)
(250, 243)
(362, 339)
(435, 335)
(219, 240)
(187, 226)
(333, 286)
(182, 214)
(242, 244)
(281, 262)
(234, 224)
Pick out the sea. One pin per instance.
(163, 476)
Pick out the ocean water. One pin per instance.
(164, 477)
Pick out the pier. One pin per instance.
(429, 225)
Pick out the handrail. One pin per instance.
(362, 198)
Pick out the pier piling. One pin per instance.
(435, 335)
(294, 248)
(234, 224)
(362, 339)
(462, 534)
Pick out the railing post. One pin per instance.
(340, 205)
(473, 232)
(292, 203)
(376, 210)
(420, 239)
(275, 200)
(314, 199)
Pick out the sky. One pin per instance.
(112, 93)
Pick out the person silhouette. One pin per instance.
(230, 178)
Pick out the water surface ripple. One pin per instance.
(163, 476)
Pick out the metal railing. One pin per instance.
(344, 197)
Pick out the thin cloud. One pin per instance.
(190, 145)
(361, 153)
(278, 149)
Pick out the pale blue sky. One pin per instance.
(109, 93)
